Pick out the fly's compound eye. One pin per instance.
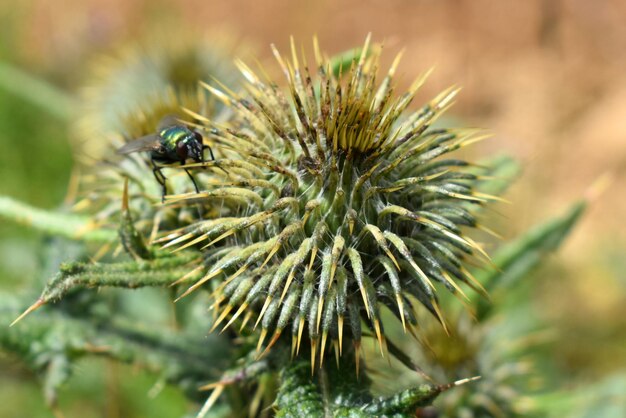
(181, 150)
(197, 147)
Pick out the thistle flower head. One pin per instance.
(335, 203)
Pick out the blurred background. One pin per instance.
(547, 77)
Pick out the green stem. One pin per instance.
(160, 272)
(62, 224)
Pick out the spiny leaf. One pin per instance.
(160, 272)
(517, 259)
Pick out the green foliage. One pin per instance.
(55, 341)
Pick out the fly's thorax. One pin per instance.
(177, 144)
(172, 135)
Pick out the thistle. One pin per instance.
(334, 202)
(330, 203)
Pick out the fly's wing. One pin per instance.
(167, 121)
(144, 143)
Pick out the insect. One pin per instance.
(173, 143)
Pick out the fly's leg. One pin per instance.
(192, 180)
(210, 151)
(160, 178)
(213, 157)
(195, 185)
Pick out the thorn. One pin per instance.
(275, 338)
(320, 305)
(440, 316)
(199, 283)
(479, 287)
(453, 284)
(184, 238)
(473, 244)
(364, 296)
(313, 254)
(413, 333)
(38, 304)
(323, 347)
(210, 401)
(239, 312)
(487, 196)
(271, 254)
(261, 339)
(340, 332)
(489, 231)
(287, 284)
(221, 237)
(210, 386)
(223, 315)
(300, 328)
(245, 320)
(401, 310)
(216, 307)
(218, 298)
(467, 380)
(293, 345)
(268, 300)
(188, 275)
(379, 337)
(393, 259)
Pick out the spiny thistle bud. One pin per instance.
(334, 202)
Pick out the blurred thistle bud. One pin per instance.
(127, 96)
(128, 93)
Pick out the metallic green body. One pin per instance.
(169, 139)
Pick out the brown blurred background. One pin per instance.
(548, 77)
